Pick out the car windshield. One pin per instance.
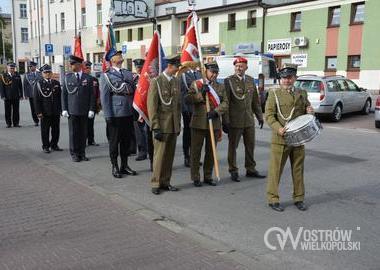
(311, 86)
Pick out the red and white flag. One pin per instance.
(190, 52)
(78, 46)
(153, 66)
(212, 94)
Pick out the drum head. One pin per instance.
(299, 122)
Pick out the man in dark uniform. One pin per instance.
(244, 105)
(186, 79)
(90, 124)
(200, 132)
(116, 93)
(141, 129)
(30, 79)
(47, 102)
(11, 93)
(285, 104)
(164, 109)
(78, 104)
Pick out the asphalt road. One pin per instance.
(342, 192)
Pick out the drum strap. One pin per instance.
(279, 109)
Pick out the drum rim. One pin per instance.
(295, 130)
(305, 140)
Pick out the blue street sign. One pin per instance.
(49, 49)
(124, 49)
(66, 51)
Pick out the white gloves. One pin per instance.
(65, 114)
(91, 114)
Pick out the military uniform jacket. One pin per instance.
(287, 101)
(195, 98)
(243, 102)
(186, 79)
(117, 90)
(47, 97)
(30, 79)
(164, 104)
(10, 86)
(78, 96)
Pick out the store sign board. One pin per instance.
(279, 46)
(300, 60)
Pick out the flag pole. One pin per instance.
(210, 125)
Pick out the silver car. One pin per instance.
(334, 95)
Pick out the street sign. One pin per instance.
(66, 51)
(124, 49)
(49, 49)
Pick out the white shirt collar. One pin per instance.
(241, 78)
(116, 68)
(167, 76)
(80, 74)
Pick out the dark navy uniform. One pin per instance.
(116, 93)
(186, 79)
(78, 101)
(29, 81)
(47, 103)
(11, 93)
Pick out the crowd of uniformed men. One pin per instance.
(177, 91)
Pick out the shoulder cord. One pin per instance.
(234, 93)
(40, 90)
(162, 100)
(184, 81)
(6, 83)
(72, 91)
(30, 83)
(115, 89)
(279, 110)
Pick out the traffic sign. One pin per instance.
(49, 49)
(124, 49)
(66, 51)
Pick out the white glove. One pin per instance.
(65, 114)
(91, 114)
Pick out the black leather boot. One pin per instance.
(115, 170)
(125, 169)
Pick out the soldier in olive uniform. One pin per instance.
(186, 79)
(164, 110)
(90, 125)
(11, 93)
(30, 79)
(244, 103)
(78, 104)
(284, 104)
(196, 97)
(116, 93)
(47, 102)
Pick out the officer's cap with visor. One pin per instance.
(174, 60)
(139, 62)
(32, 64)
(111, 53)
(75, 60)
(11, 64)
(288, 70)
(87, 63)
(212, 66)
(45, 68)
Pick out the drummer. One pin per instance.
(284, 104)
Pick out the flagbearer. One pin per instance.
(200, 132)
(90, 125)
(244, 104)
(116, 93)
(30, 79)
(164, 109)
(78, 104)
(47, 102)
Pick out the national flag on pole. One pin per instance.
(212, 94)
(110, 43)
(78, 46)
(190, 51)
(154, 65)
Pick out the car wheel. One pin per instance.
(337, 113)
(367, 107)
(377, 124)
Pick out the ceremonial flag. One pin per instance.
(78, 46)
(110, 43)
(212, 94)
(154, 65)
(190, 48)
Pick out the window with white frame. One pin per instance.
(23, 12)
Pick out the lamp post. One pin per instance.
(2, 40)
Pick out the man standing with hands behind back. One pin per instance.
(283, 105)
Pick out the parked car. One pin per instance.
(377, 112)
(334, 95)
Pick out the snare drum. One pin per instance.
(302, 130)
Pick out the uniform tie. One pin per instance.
(78, 77)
